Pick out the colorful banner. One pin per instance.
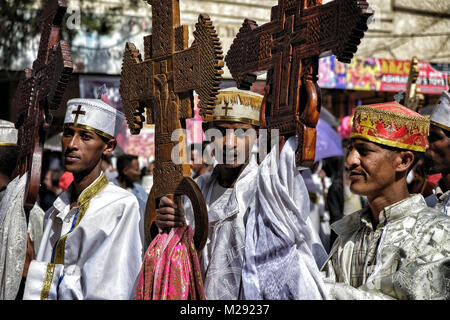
(378, 75)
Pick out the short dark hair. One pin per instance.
(124, 161)
(8, 159)
(55, 176)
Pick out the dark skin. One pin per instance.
(129, 175)
(170, 214)
(378, 173)
(83, 150)
(437, 157)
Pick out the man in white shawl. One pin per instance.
(16, 251)
(92, 245)
(229, 193)
(438, 154)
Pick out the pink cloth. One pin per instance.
(171, 269)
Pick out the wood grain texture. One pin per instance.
(159, 90)
(288, 48)
(42, 90)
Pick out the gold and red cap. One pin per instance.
(391, 124)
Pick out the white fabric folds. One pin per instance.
(283, 253)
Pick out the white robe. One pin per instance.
(221, 259)
(13, 237)
(283, 252)
(103, 253)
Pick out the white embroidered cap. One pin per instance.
(94, 115)
(8, 133)
(440, 115)
(233, 104)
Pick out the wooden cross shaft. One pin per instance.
(41, 90)
(162, 84)
(414, 98)
(288, 48)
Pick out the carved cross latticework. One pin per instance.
(41, 90)
(414, 98)
(159, 89)
(288, 48)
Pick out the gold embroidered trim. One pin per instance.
(239, 98)
(388, 142)
(388, 117)
(47, 281)
(236, 119)
(8, 144)
(440, 125)
(83, 202)
(83, 126)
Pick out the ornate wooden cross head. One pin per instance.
(41, 90)
(288, 48)
(162, 84)
(414, 98)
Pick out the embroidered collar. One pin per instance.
(62, 203)
(352, 222)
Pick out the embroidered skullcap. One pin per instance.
(440, 115)
(8, 133)
(391, 124)
(94, 115)
(233, 104)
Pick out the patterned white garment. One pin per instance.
(13, 238)
(221, 259)
(91, 251)
(412, 259)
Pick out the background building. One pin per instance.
(399, 30)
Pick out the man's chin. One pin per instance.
(231, 165)
(357, 189)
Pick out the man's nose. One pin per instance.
(230, 140)
(73, 142)
(352, 160)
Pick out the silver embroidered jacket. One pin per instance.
(412, 257)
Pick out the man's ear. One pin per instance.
(404, 160)
(110, 146)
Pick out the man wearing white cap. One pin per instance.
(93, 235)
(437, 157)
(14, 245)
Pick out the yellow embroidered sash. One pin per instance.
(83, 204)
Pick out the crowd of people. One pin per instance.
(372, 223)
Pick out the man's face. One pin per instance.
(234, 147)
(196, 160)
(437, 157)
(371, 167)
(132, 172)
(48, 179)
(82, 149)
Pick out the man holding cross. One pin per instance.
(93, 238)
(228, 192)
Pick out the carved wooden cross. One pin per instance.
(414, 98)
(41, 90)
(162, 84)
(287, 48)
